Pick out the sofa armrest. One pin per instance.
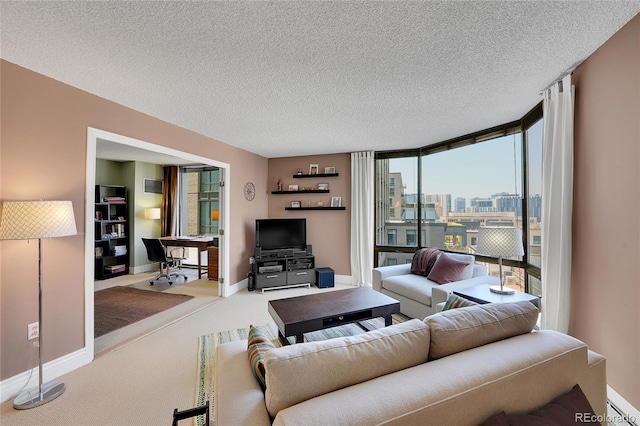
(442, 292)
(383, 272)
(239, 399)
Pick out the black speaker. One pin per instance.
(250, 281)
(309, 251)
(258, 253)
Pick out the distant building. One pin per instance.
(482, 205)
(535, 207)
(505, 202)
(442, 203)
(396, 196)
(460, 204)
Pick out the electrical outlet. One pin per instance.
(33, 331)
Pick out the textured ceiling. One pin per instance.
(309, 77)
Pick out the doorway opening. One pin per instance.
(130, 149)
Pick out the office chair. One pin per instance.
(156, 252)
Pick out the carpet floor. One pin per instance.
(117, 307)
(207, 348)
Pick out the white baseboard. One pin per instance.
(342, 279)
(234, 288)
(142, 268)
(51, 370)
(629, 412)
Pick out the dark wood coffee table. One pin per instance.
(295, 316)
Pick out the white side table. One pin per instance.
(482, 294)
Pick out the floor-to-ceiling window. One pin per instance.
(396, 208)
(533, 147)
(438, 196)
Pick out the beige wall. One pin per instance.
(606, 234)
(328, 231)
(43, 146)
(139, 201)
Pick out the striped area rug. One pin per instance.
(207, 349)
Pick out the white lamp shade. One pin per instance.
(153, 213)
(24, 220)
(500, 241)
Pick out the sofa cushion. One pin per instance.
(454, 301)
(568, 409)
(446, 269)
(414, 287)
(303, 371)
(457, 330)
(470, 259)
(423, 261)
(257, 345)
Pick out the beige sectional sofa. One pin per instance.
(457, 367)
(419, 296)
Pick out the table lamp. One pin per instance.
(500, 241)
(26, 220)
(152, 213)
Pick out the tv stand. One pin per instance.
(283, 268)
(307, 285)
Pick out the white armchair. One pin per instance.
(418, 296)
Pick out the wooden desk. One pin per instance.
(212, 262)
(201, 243)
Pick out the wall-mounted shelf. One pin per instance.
(315, 208)
(303, 191)
(319, 175)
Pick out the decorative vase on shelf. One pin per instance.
(279, 185)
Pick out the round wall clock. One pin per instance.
(249, 191)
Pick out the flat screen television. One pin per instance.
(272, 234)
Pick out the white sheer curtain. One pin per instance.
(361, 218)
(557, 204)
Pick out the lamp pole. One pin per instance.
(46, 391)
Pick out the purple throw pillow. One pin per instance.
(446, 269)
(568, 409)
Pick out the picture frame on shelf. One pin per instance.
(336, 201)
(313, 169)
(296, 204)
(329, 170)
(323, 186)
(293, 187)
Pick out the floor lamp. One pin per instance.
(500, 241)
(26, 220)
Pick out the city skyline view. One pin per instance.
(481, 170)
